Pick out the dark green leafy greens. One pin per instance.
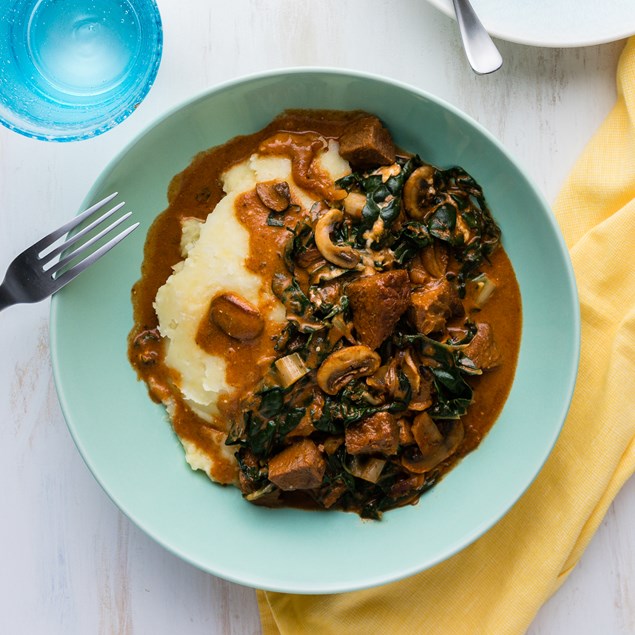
(444, 361)
(319, 322)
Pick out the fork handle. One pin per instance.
(5, 298)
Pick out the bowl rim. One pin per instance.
(476, 531)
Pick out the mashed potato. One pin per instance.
(215, 253)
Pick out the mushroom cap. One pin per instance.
(341, 255)
(344, 365)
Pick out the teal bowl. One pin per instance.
(129, 445)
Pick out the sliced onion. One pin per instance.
(290, 368)
(368, 469)
(263, 491)
(484, 289)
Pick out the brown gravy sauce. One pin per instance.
(503, 312)
(195, 192)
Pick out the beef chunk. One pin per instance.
(300, 466)
(482, 350)
(377, 303)
(433, 305)
(366, 143)
(378, 433)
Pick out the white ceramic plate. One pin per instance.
(557, 23)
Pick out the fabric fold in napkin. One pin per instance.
(498, 584)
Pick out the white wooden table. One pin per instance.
(71, 563)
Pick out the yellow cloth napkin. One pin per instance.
(498, 583)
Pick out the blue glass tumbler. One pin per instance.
(72, 69)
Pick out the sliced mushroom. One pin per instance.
(236, 317)
(354, 204)
(419, 191)
(410, 370)
(274, 194)
(385, 379)
(422, 397)
(432, 447)
(417, 272)
(344, 365)
(435, 259)
(326, 273)
(341, 255)
(426, 433)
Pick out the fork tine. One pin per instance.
(83, 247)
(80, 234)
(74, 271)
(48, 240)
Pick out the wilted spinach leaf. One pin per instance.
(454, 394)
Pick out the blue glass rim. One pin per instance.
(108, 119)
